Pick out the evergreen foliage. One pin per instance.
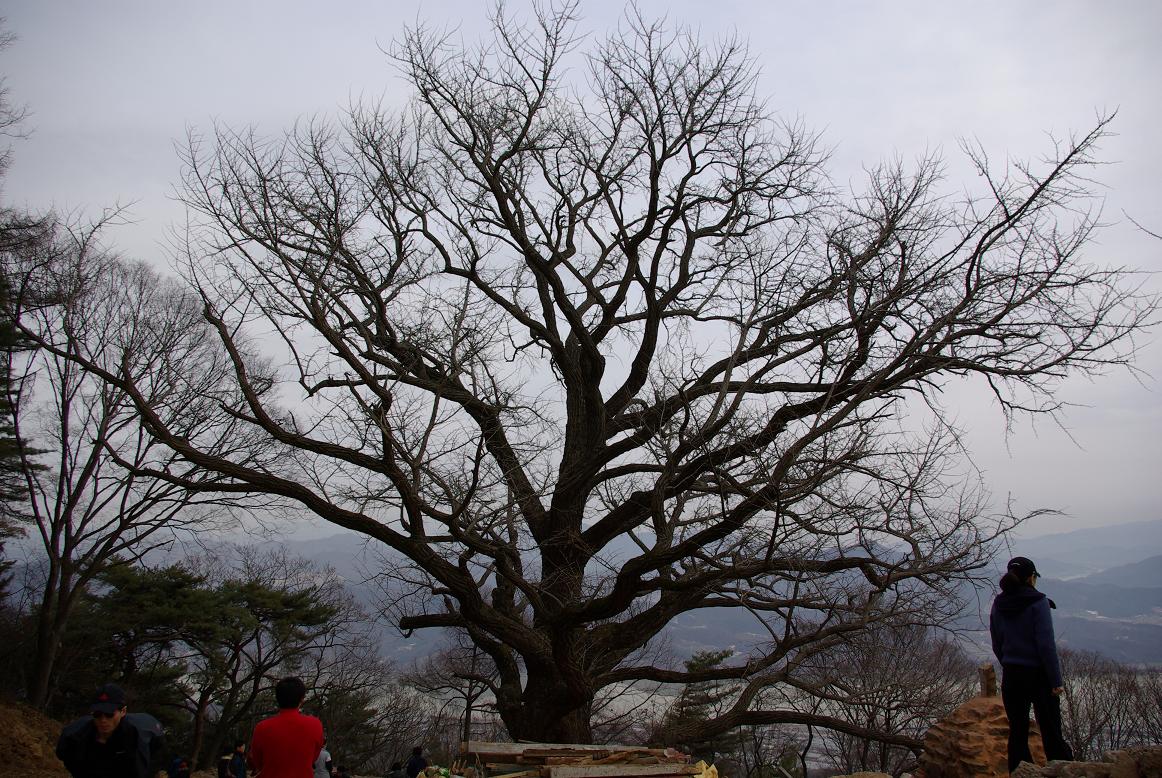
(11, 481)
(200, 649)
(699, 702)
(18, 232)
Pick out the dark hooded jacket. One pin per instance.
(1022, 631)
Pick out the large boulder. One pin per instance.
(972, 742)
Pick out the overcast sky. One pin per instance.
(113, 85)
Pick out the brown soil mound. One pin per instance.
(27, 743)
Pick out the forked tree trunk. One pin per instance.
(548, 711)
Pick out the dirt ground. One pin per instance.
(27, 740)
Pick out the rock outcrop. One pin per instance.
(972, 742)
(1143, 762)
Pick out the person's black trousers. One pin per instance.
(1020, 688)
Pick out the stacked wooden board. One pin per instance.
(561, 760)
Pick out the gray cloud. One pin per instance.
(114, 85)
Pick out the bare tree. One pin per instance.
(592, 342)
(1150, 703)
(12, 115)
(626, 713)
(772, 751)
(372, 717)
(461, 677)
(92, 503)
(1107, 705)
(899, 679)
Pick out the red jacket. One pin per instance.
(286, 745)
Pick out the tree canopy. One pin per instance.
(592, 341)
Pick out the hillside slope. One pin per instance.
(27, 742)
(1147, 573)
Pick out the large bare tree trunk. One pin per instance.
(548, 712)
(47, 648)
(199, 732)
(56, 604)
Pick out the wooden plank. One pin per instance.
(569, 759)
(514, 749)
(521, 774)
(622, 770)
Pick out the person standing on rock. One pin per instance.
(1022, 634)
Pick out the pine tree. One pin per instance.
(18, 232)
(702, 701)
(13, 486)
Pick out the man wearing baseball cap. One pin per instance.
(110, 742)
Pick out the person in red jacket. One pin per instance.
(286, 744)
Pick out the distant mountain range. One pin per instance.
(1098, 550)
(1107, 583)
(1147, 573)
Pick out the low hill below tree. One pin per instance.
(1088, 599)
(1123, 641)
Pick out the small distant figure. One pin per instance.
(396, 771)
(416, 763)
(286, 744)
(323, 763)
(232, 763)
(110, 740)
(1022, 634)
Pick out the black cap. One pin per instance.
(108, 699)
(1023, 567)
